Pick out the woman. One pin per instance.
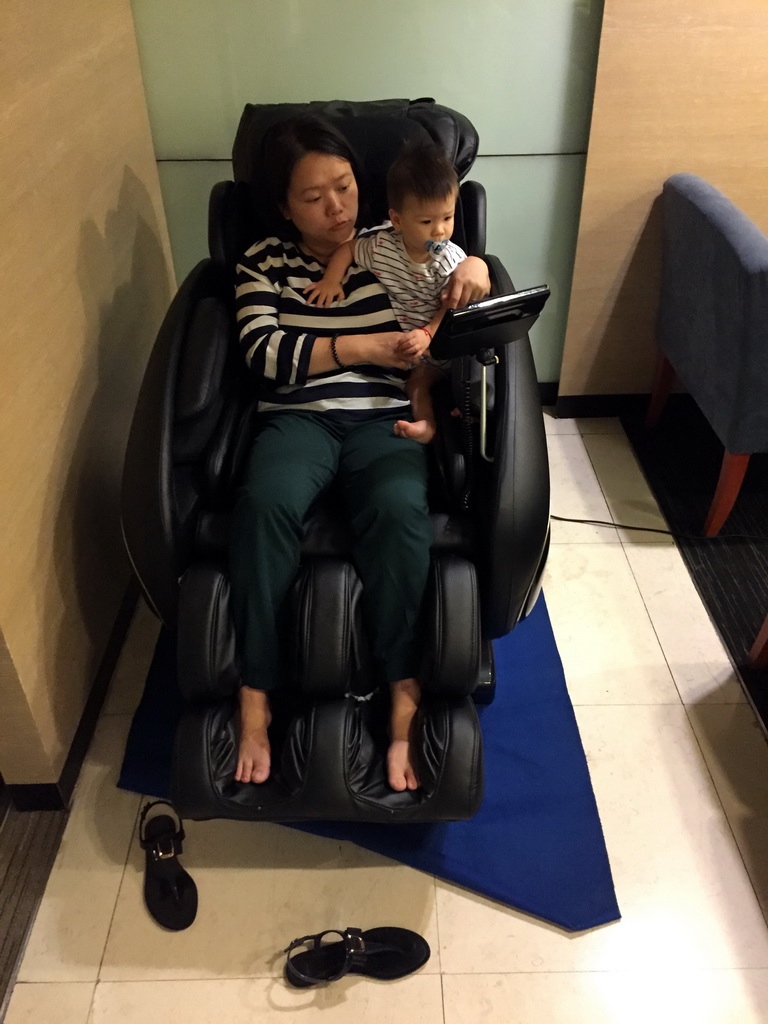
(331, 389)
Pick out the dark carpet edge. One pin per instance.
(681, 461)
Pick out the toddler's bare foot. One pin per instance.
(253, 756)
(422, 430)
(401, 762)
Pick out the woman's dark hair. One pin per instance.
(284, 144)
(422, 170)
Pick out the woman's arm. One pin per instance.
(382, 349)
(273, 355)
(280, 356)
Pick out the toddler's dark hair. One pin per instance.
(423, 171)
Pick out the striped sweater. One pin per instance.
(413, 288)
(278, 330)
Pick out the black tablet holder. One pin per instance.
(473, 331)
(469, 331)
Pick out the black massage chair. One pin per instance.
(194, 421)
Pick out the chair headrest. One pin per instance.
(375, 130)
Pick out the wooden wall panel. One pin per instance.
(84, 281)
(680, 86)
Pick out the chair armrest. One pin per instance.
(148, 502)
(512, 499)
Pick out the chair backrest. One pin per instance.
(376, 131)
(714, 308)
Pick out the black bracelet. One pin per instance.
(335, 354)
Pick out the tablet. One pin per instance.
(467, 330)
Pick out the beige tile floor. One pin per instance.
(680, 771)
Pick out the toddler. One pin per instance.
(413, 258)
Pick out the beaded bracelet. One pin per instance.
(335, 354)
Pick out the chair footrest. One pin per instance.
(331, 764)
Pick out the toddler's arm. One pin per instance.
(329, 289)
(416, 343)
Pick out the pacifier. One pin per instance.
(435, 248)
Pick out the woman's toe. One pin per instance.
(398, 767)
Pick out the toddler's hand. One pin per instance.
(324, 293)
(469, 283)
(414, 343)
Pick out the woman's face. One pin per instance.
(322, 201)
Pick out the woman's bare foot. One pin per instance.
(253, 756)
(422, 430)
(401, 763)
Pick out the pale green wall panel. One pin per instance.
(534, 204)
(533, 209)
(521, 70)
(186, 186)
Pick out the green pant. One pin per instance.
(295, 457)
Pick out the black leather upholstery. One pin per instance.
(376, 132)
(192, 430)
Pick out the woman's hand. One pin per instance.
(384, 349)
(469, 282)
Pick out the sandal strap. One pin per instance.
(162, 848)
(355, 952)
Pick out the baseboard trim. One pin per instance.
(548, 392)
(5, 801)
(42, 796)
(56, 796)
(570, 406)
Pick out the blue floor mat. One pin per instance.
(536, 844)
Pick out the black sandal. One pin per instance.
(384, 953)
(169, 891)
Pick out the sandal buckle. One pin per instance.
(165, 848)
(359, 946)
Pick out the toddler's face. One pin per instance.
(424, 221)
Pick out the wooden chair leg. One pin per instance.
(663, 379)
(728, 486)
(758, 656)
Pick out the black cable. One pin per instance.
(467, 432)
(668, 533)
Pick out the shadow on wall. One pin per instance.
(559, 239)
(555, 225)
(125, 284)
(578, 95)
(633, 299)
